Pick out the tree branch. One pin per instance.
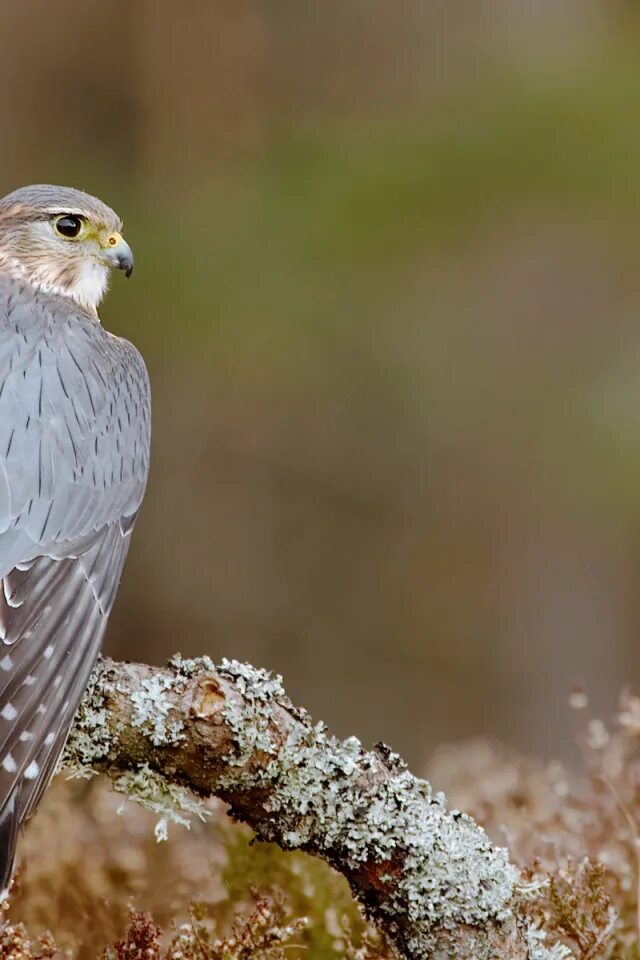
(428, 877)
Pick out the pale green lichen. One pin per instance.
(536, 950)
(90, 742)
(168, 800)
(190, 666)
(90, 739)
(358, 807)
(152, 714)
(152, 710)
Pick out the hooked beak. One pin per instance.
(118, 254)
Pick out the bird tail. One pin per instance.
(51, 625)
(8, 841)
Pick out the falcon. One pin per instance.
(74, 458)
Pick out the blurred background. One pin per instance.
(388, 291)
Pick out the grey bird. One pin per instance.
(74, 458)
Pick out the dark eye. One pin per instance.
(68, 226)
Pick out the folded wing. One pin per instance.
(74, 446)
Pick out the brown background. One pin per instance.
(388, 290)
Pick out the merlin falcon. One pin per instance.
(74, 457)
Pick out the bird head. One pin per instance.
(62, 241)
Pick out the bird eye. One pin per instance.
(68, 226)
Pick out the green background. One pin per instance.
(388, 289)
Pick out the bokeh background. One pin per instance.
(388, 290)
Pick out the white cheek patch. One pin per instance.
(90, 285)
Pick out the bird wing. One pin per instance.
(74, 455)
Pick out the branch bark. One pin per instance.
(428, 877)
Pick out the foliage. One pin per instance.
(576, 839)
(105, 887)
(207, 894)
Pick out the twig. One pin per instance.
(635, 837)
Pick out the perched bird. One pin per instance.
(74, 457)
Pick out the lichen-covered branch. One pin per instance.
(428, 876)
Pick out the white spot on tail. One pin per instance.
(6, 663)
(9, 764)
(41, 710)
(26, 735)
(29, 680)
(9, 712)
(48, 740)
(32, 771)
(48, 652)
(58, 680)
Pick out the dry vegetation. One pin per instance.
(103, 884)
(93, 874)
(575, 837)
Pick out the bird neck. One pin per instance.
(85, 295)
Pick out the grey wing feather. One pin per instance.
(74, 455)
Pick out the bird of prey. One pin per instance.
(74, 456)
